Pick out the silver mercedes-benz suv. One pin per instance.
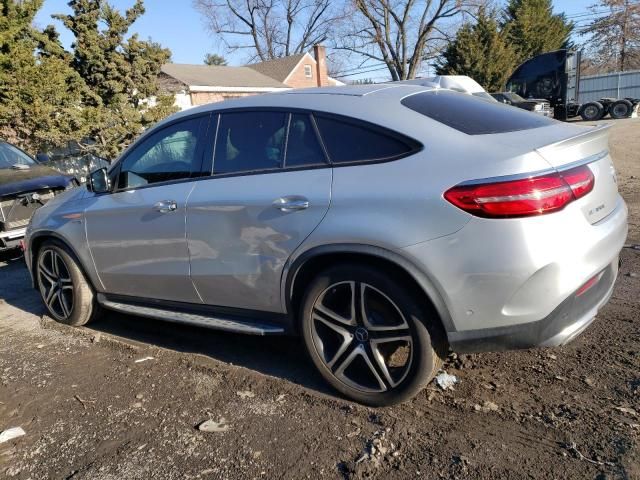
(384, 224)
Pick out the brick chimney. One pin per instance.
(320, 54)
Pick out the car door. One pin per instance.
(270, 188)
(136, 233)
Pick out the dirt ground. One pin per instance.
(122, 399)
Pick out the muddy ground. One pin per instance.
(121, 400)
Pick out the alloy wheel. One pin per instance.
(56, 285)
(361, 336)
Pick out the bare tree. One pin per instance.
(401, 33)
(614, 39)
(269, 29)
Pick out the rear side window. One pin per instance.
(473, 116)
(249, 141)
(350, 142)
(303, 147)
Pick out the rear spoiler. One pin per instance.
(591, 145)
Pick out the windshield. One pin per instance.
(514, 97)
(10, 156)
(484, 95)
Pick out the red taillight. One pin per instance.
(525, 197)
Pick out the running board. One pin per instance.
(201, 320)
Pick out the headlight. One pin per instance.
(537, 107)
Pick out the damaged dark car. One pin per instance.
(536, 105)
(25, 185)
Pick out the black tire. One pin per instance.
(592, 111)
(389, 307)
(621, 109)
(65, 291)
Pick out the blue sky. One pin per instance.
(176, 25)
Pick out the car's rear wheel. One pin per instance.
(64, 289)
(368, 336)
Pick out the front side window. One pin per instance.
(249, 141)
(350, 142)
(170, 154)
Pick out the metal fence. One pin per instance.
(613, 85)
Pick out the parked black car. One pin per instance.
(25, 185)
(536, 105)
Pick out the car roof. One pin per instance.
(366, 102)
(301, 98)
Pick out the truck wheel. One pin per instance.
(621, 109)
(592, 111)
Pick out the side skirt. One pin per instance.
(196, 315)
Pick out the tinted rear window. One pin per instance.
(250, 141)
(471, 115)
(351, 142)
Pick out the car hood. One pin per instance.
(37, 177)
(535, 100)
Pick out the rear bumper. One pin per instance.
(564, 324)
(512, 283)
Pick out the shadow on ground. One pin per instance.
(277, 356)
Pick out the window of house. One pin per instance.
(250, 141)
(350, 142)
(170, 154)
(303, 146)
(307, 71)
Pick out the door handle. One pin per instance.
(291, 203)
(166, 206)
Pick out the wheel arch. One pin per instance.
(312, 261)
(35, 243)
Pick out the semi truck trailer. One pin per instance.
(555, 76)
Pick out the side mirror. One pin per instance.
(99, 181)
(42, 158)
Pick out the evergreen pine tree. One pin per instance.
(41, 96)
(215, 60)
(479, 51)
(532, 28)
(122, 73)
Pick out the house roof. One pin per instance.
(210, 76)
(279, 68)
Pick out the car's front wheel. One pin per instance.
(369, 337)
(64, 288)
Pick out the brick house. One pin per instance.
(298, 71)
(199, 84)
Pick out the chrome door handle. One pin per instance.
(166, 206)
(291, 203)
